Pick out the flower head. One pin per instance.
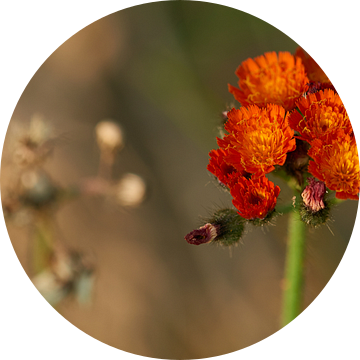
(270, 78)
(324, 115)
(218, 167)
(254, 198)
(258, 139)
(224, 172)
(337, 164)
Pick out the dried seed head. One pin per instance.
(35, 145)
(130, 190)
(38, 190)
(109, 136)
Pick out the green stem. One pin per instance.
(294, 266)
(285, 209)
(42, 245)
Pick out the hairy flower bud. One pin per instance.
(203, 235)
(314, 210)
(313, 195)
(225, 227)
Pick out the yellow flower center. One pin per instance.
(343, 167)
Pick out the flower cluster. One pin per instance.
(291, 121)
(325, 125)
(291, 118)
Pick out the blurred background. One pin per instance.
(160, 71)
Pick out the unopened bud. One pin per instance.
(313, 195)
(225, 227)
(109, 135)
(314, 210)
(203, 235)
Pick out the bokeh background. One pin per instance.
(161, 71)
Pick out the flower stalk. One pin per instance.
(294, 269)
(291, 123)
(42, 245)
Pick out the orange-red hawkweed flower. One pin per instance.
(258, 138)
(254, 198)
(271, 78)
(224, 172)
(337, 164)
(324, 115)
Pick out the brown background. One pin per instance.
(161, 70)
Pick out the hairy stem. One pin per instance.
(294, 269)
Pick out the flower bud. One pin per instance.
(225, 227)
(313, 195)
(314, 210)
(203, 235)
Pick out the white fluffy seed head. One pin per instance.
(131, 190)
(109, 135)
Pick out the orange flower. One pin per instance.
(313, 70)
(258, 139)
(254, 198)
(224, 172)
(324, 116)
(271, 78)
(337, 164)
